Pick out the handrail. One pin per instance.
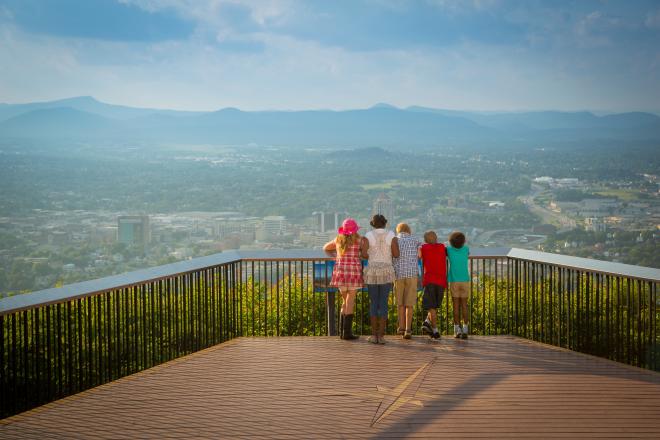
(587, 264)
(83, 289)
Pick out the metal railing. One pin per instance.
(57, 342)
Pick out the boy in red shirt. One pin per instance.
(434, 280)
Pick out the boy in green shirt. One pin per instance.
(458, 276)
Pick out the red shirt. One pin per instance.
(434, 260)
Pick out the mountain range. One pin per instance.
(380, 125)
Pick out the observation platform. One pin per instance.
(322, 387)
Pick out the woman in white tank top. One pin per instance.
(379, 274)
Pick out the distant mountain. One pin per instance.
(57, 122)
(384, 105)
(548, 120)
(559, 126)
(86, 104)
(380, 125)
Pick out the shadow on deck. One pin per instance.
(307, 387)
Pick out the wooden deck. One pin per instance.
(320, 387)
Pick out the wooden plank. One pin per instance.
(320, 387)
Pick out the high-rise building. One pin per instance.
(133, 229)
(385, 206)
(328, 221)
(325, 221)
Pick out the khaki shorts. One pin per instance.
(460, 289)
(405, 291)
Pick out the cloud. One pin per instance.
(233, 13)
(99, 19)
(466, 6)
(293, 55)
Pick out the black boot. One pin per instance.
(348, 328)
(341, 326)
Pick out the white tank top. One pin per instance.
(380, 246)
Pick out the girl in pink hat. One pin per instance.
(347, 274)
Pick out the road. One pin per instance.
(563, 222)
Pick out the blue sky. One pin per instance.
(288, 54)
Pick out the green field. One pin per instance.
(627, 195)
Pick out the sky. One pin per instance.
(490, 55)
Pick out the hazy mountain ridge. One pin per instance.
(382, 124)
(86, 104)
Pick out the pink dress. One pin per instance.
(347, 273)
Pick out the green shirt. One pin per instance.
(458, 264)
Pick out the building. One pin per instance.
(327, 221)
(385, 206)
(133, 229)
(236, 225)
(323, 221)
(274, 224)
(569, 182)
(594, 224)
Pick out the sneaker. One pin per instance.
(400, 331)
(373, 339)
(426, 328)
(457, 331)
(465, 332)
(381, 341)
(435, 335)
(407, 334)
(464, 336)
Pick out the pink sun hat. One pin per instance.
(348, 227)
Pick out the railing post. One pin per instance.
(330, 312)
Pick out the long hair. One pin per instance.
(345, 241)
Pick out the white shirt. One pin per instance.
(380, 246)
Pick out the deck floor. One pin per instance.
(320, 387)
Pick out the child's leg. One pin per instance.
(350, 302)
(433, 316)
(409, 318)
(399, 291)
(383, 295)
(456, 302)
(408, 299)
(464, 310)
(347, 321)
(372, 289)
(343, 301)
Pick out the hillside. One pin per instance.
(381, 125)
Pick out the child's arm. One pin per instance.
(330, 247)
(364, 248)
(395, 247)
